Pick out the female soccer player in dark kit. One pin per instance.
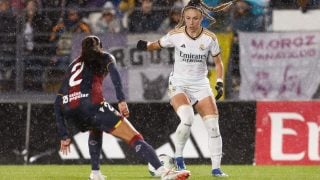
(80, 102)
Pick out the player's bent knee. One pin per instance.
(212, 124)
(186, 114)
(135, 138)
(125, 131)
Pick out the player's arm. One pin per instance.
(219, 66)
(65, 140)
(116, 81)
(220, 71)
(148, 46)
(164, 41)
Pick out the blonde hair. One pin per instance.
(204, 9)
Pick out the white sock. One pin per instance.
(215, 141)
(182, 134)
(95, 171)
(160, 171)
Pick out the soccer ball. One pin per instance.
(166, 160)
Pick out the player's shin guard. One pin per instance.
(215, 141)
(95, 146)
(145, 151)
(182, 134)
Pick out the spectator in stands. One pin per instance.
(95, 3)
(305, 5)
(61, 36)
(62, 32)
(146, 19)
(127, 6)
(7, 45)
(36, 28)
(87, 5)
(7, 28)
(17, 5)
(56, 12)
(108, 22)
(57, 8)
(243, 18)
(170, 22)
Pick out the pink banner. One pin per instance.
(279, 66)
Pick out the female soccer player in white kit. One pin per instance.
(188, 82)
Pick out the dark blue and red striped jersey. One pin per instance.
(81, 89)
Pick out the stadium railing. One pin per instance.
(24, 76)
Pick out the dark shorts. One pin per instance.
(102, 117)
(107, 118)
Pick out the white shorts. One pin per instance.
(195, 90)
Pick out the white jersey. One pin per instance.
(191, 54)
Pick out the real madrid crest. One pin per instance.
(202, 47)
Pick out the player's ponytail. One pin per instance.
(204, 9)
(91, 52)
(218, 8)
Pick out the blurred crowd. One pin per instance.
(44, 29)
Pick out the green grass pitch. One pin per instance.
(140, 172)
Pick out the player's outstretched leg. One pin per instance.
(128, 133)
(146, 151)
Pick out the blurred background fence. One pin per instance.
(38, 40)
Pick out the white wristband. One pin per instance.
(219, 80)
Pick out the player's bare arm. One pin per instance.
(153, 46)
(219, 66)
(219, 69)
(148, 46)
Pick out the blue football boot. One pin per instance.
(180, 164)
(218, 173)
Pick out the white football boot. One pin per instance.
(169, 174)
(97, 176)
